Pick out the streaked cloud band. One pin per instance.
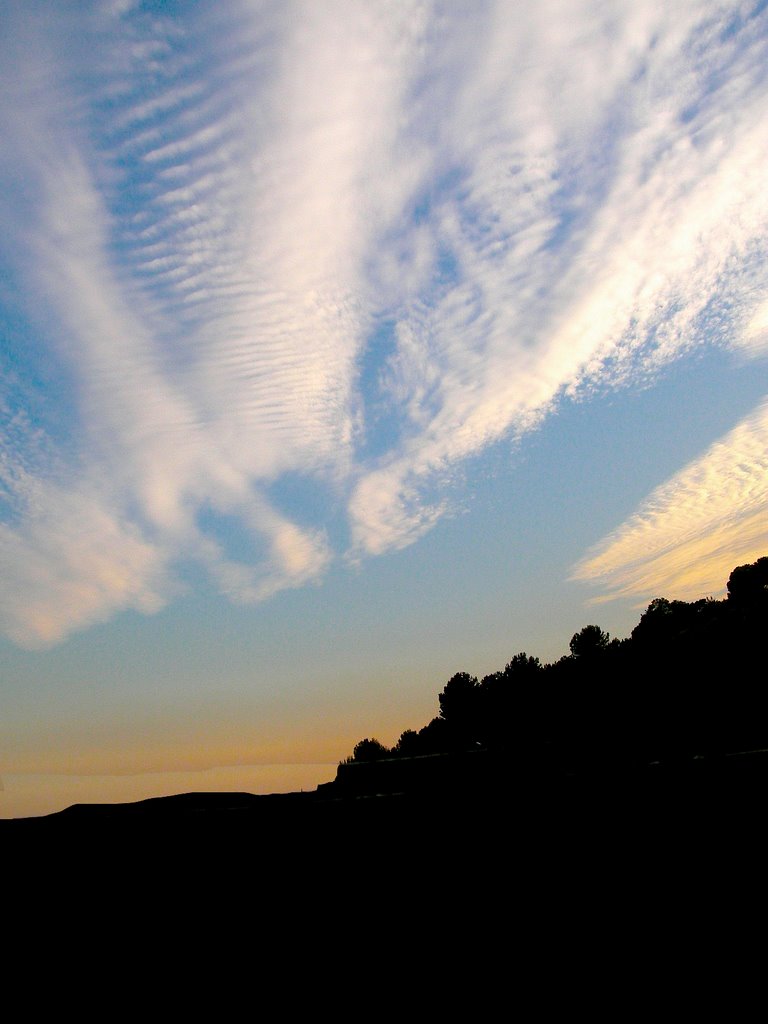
(690, 533)
(248, 236)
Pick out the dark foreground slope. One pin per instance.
(629, 777)
(470, 811)
(591, 882)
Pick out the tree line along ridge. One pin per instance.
(689, 681)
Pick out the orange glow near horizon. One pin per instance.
(33, 794)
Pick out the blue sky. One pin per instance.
(346, 345)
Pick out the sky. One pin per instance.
(349, 344)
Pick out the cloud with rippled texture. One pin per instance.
(691, 532)
(209, 218)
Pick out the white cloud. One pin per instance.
(209, 217)
(693, 530)
(755, 336)
(610, 166)
(74, 553)
(74, 561)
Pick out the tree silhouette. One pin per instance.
(748, 584)
(590, 642)
(409, 744)
(369, 750)
(684, 684)
(510, 705)
(460, 709)
(435, 737)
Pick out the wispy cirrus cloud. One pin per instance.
(689, 534)
(208, 218)
(604, 212)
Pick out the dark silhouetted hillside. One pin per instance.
(626, 745)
